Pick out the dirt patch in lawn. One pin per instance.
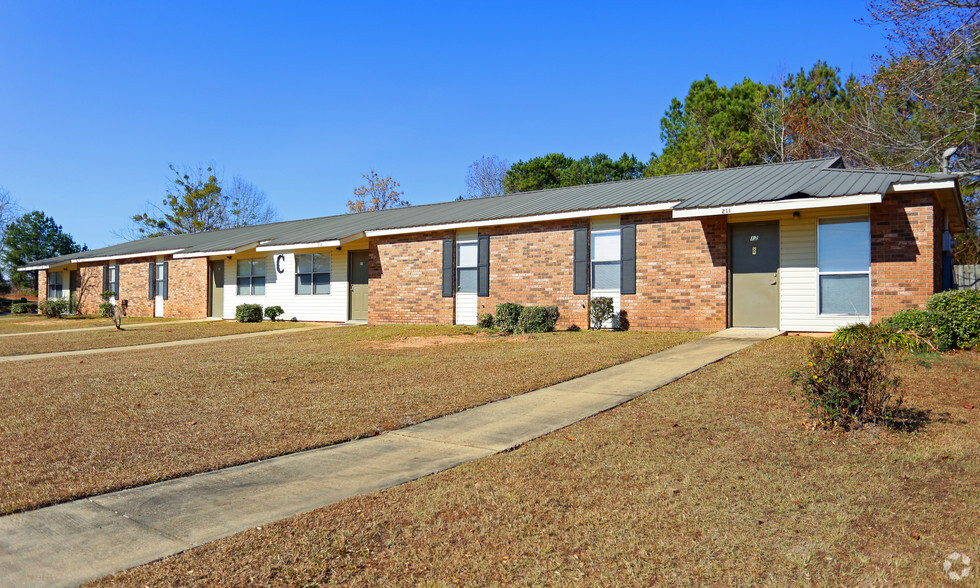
(712, 480)
(74, 427)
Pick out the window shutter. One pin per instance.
(105, 279)
(627, 259)
(483, 266)
(149, 291)
(581, 275)
(448, 267)
(166, 279)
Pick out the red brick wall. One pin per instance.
(42, 286)
(904, 253)
(187, 295)
(534, 264)
(89, 288)
(187, 289)
(405, 280)
(681, 273)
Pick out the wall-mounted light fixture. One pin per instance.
(796, 215)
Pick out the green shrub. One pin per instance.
(54, 308)
(912, 320)
(274, 312)
(508, 313)
(957, 319)
(600, 311)
(23, 308)
(848, 384)
(106, 309)
(106, 295)
(537, 319)
(882, 335)
(248, 313)
(485, 321)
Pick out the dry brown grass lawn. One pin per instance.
(33, 323)
(173, 331)
(712, 480)
(79, 426)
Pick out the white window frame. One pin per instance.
(251, 276)
(313, 273)
(475, 268)
(593, 261)
(821, 273)
(113, 281)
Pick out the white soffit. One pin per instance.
(210, 253)
(660, 207)
(780, 205)
(291, 246)
(127, 256)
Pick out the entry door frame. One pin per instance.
(216, 310)
(731, 267)
(350, 280)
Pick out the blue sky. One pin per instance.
(301, 98)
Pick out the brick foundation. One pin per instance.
(905, 260)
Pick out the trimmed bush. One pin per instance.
(248, 313)
(508, 313)
(537, 319)
(956, 319)
(23, 308)
(848, 384)
(485, 321)
(106, 309)
(54, 308)
(274, 312)
(600, 311)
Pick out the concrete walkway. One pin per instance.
(179, 343)
(126, 326)
(71, 543)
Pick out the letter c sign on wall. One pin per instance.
(279, 259)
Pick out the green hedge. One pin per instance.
(54, 308)
(23, 308)
(537, 319)
(956, 319)
(274, 312)
(248, 313)
(508, 313)
(600, 310)
(485, 321)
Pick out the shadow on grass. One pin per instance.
(912, 420)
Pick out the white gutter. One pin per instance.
(779, 205)
(127, 256)
(525, 219)
(31, 268)
(209, 253)
(913, 187)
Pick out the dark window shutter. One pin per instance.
(581, 278)
(105, 279)
(628, 259)
(149, 291)
(166, 279)
(448, 267)
(483, 266)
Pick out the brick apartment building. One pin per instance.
(802, 246)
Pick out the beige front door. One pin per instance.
(755, 274)
(216, 289)
(358, 278)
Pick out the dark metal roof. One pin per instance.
(706, 189)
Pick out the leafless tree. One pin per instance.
(485, 177)
(247, 205)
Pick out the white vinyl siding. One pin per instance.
(280, 288)
(466, 262)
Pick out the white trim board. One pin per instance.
(515, 220)
(779, 205)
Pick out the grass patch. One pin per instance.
(712, 480)
(34, 323)
(75, 427)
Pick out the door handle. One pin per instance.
(772, 283)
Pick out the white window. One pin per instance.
(55, 285)
(606, 253)
(112, 281)
(844, 266)
(466, 264)
(251, 277)
(312, 273)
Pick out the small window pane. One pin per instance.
(258, 267)
(304, 284)
(244, 268)
(258, 286)
(844, 245)
(244, 286)
(605, 276)
(846, 294)
(605, 246)
(159, 271)
(467, 256)
(467, 280)
(321, 283)
(304, 263)
(321, 263)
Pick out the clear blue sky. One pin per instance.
(301, 98)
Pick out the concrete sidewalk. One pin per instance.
(71, 543)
